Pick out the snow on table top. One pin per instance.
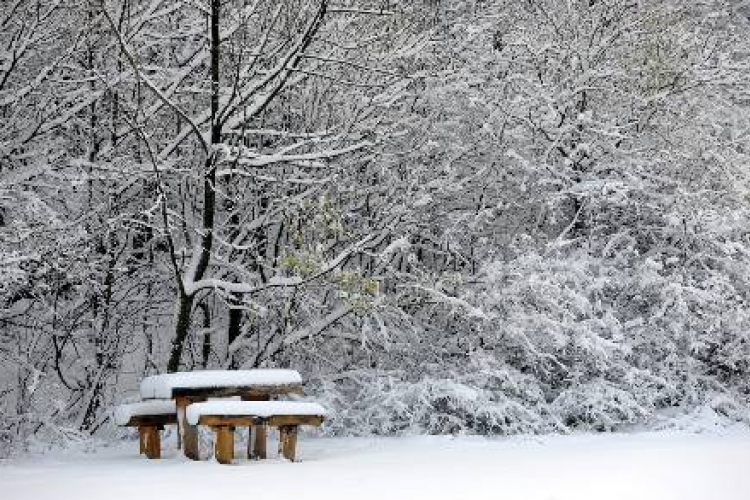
(124, 413)
(161, 386)
(262, 409)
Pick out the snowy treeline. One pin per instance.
(472, 216)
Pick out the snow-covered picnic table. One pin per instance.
(186, 388)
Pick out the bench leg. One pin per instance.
(224, 447)
(288, 442)
(151, 441)
(142, 439)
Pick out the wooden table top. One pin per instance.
(222, 383)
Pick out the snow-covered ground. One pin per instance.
(641, 466)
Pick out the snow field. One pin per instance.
(647, 466)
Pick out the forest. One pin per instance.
(474, 216)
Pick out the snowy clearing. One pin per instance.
(641, 466)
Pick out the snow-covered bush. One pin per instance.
(486, 398)
(615, 331)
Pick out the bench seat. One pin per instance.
(150, 417)
(224, 416)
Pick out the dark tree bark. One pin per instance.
(209, 199)
(206, 351)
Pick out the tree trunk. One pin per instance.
(206, 333)
(209, 199)
(233, 329)
(181, 331)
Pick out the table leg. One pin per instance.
(188, 434)
(258, 434)
(260, 442)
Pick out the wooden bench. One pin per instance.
(224, 416)
(150, 417)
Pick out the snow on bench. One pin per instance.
(260, 409)
(163, 386)
(223, 416)
(125, 413)
(150, 417)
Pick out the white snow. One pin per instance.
(161, 386)
(263, 409)
(649, 466)
(123, 413)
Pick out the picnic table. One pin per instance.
(186, 388)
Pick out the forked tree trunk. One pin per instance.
(185, 299)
